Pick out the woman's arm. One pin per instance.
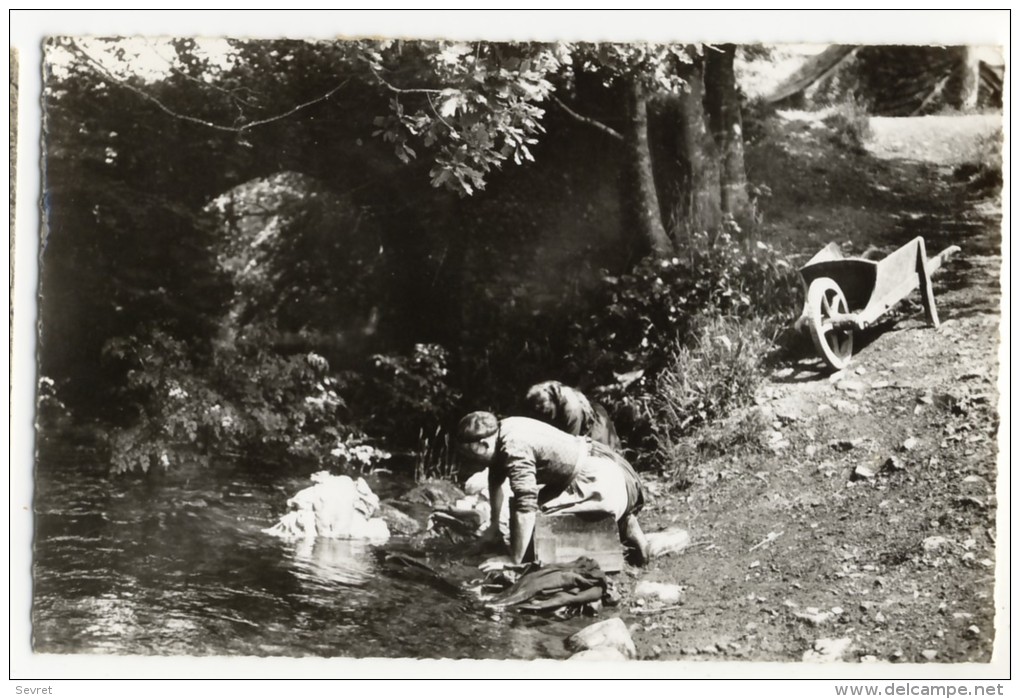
(496, 498)
(522, 527)
(522, 471)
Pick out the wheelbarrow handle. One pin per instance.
(935, 262)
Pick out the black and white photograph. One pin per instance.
(681, 353)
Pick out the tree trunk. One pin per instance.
(723, 107)
(967, 79)
(643, 201)
(696, 200)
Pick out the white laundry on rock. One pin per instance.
(336, 507)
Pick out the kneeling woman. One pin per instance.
(552, 472)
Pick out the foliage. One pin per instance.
(705, 379)
(355, 453)
(755, 114)
(435, 457)
(241, 401)
(122, 241)
(642, 314)
(50, 410)
(400, 395)
(235, 267)
(983, 174)
(651, 330)
(510, 346)
(654, 65)
(298, 257)
(850, 125)
(474, 105)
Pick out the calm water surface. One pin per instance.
(181, 567)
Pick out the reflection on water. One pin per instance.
(332, 561)
(182, 567)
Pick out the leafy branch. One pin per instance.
(103, 70)
(403, 90)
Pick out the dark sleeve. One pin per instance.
(497, 474)
(519, 459)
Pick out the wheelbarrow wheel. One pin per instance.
(834, 345)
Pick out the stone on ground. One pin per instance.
(611, 633)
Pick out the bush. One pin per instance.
(755, 114)
(983, 171)
(850, 124)
(640, 318)
(401, 396)
(240, 401)
(654, 333)
(719, 371)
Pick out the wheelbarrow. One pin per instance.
(846, 294)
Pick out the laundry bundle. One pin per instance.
(563, 588)
(336, 507)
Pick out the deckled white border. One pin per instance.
(794, 26)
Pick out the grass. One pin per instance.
(850, 124)
(719, 373)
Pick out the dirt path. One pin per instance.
(944, 140)
(862, 524)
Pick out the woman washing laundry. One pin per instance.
(551, 472)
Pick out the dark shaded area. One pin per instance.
(286, 291)
(895, 80)
(131, 250)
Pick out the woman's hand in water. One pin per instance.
(496, 563)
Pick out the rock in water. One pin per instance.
(400, 523)
(435, 493)
(336, 507)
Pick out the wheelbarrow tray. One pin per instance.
(846, 293)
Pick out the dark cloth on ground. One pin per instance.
(555, 586)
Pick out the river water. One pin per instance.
(180, 566)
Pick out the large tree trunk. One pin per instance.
(967, 79)
(689, 176)
(643, 201)
(723, 107)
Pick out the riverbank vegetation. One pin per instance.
(300, 254)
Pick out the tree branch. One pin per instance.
(586, 120)
(439, 116)
(403, 90)
(231, 94)
(195, 120)
(284, 115)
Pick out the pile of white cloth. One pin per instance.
(336, 507)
